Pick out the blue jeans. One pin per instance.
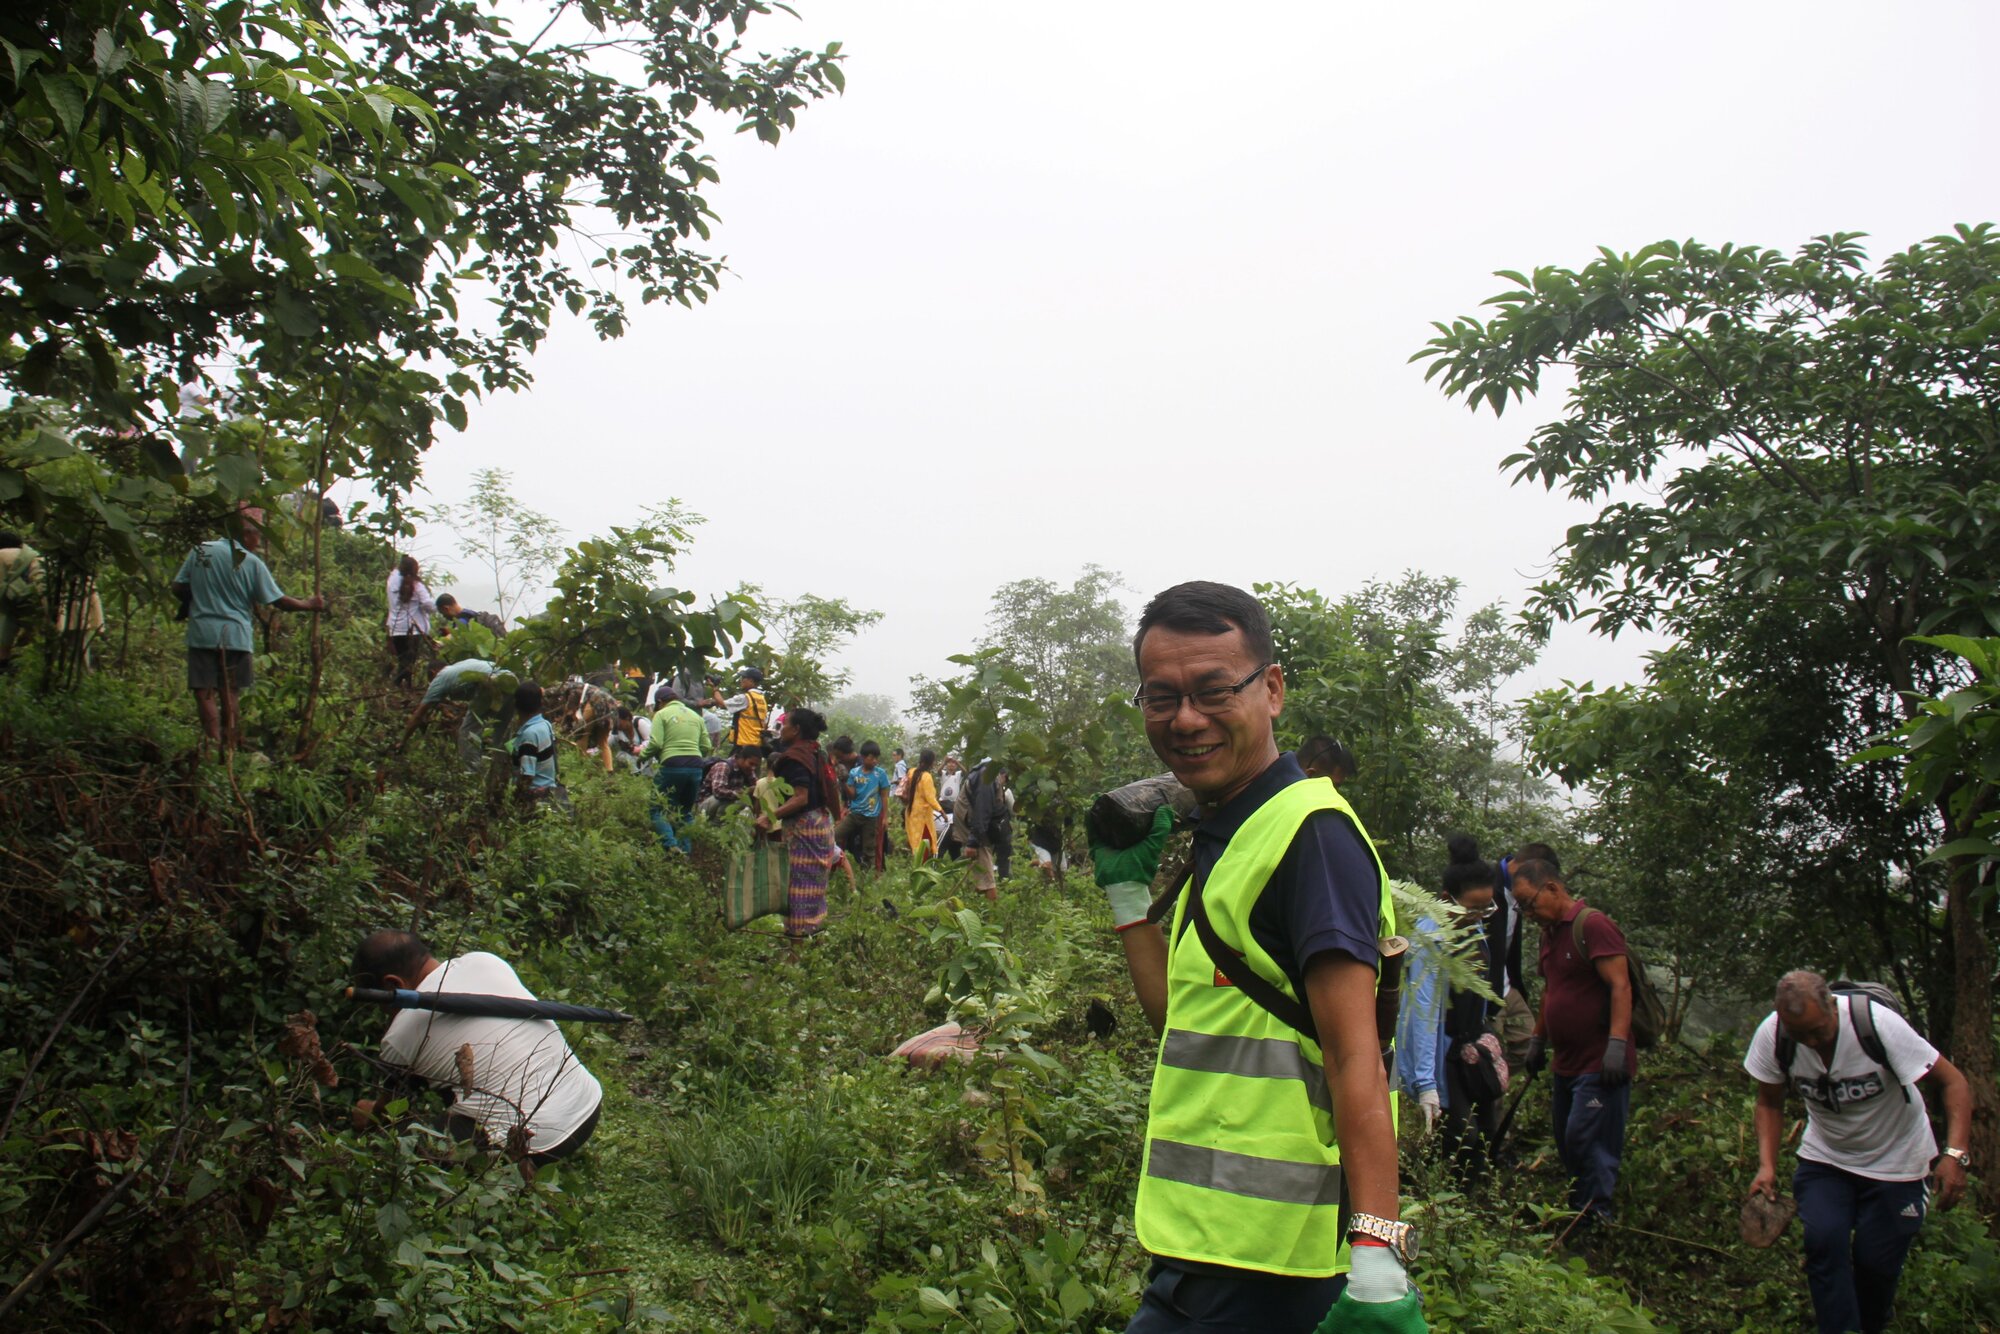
(1858, 1232)
(1200, 1301)
(677, 783)
(1589, 1122)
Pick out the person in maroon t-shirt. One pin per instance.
(1586, 1017)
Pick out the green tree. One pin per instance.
(801, 638)
(607, 610)
(514, 544)
(1776, 439)
(1380, 671)
(300, 193)
(1046, 690)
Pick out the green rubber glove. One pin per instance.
(1405, 1315)
(1126, 874)
(1378, 1297)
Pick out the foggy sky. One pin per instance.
(1137, 284)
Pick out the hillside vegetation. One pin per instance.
(761, 1164)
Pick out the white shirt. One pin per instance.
(948, 789)
(412, 617)
(516, 1063)
(1868, 1129)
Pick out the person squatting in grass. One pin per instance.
(1259, 1127)
(1867, 1156)
(523, 1074)
(1586, 1017)
(222, 583)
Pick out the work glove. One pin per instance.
(1378, 1298)
(1538, 1054)
(1427, 1102)
(1615, 1075)
(1126, 874)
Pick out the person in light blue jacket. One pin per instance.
(1443, 1067)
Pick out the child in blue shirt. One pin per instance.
(533, 746)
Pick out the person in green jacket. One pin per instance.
(1268, 1190)
(679, 742)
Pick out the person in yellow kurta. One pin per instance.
(920, 806)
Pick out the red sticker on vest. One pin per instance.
(1222, 981)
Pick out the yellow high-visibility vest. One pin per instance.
(746, 728)
(1241, 1166)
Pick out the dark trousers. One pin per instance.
(859, 834)
(677, 782)
(1858, 1232)
(405, 647)
(1589, 1124)
(1197, 1301)
(1469, 1126)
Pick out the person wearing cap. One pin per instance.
(1268, 1190)
(747, 709)
(223, 582)
(488, 694)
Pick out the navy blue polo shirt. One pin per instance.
(1326, 893)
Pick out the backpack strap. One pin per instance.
(1861, 1010)
(1576, 933)
(1244, 978)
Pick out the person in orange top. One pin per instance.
(920, 806)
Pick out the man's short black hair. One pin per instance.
(1538, 852)
(747, 753)
(870, 748)
(402, 953)
(1535, 871)
(842, 744)
(1328, 756)
(446, 600)
(527, 699)
(1204, 608)
(8, 541)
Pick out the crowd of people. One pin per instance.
(1269, 1191)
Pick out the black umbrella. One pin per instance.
(490, 1007)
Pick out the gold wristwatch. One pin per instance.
(1398, 1237)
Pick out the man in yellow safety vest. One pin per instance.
(1268, 1194)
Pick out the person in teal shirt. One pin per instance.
(534, 748)
(860, 829)
(222, 583)
(488, 694)
(679, 741)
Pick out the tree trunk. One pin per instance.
(1971, 1044)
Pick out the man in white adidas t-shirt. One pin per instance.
(523, 1072)
(1865, 1161)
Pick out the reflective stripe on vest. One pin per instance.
(1242, 1168)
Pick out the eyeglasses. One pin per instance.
(1210, 700)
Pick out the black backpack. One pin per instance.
(1862, 998)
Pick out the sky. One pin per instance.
(1137, 285)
